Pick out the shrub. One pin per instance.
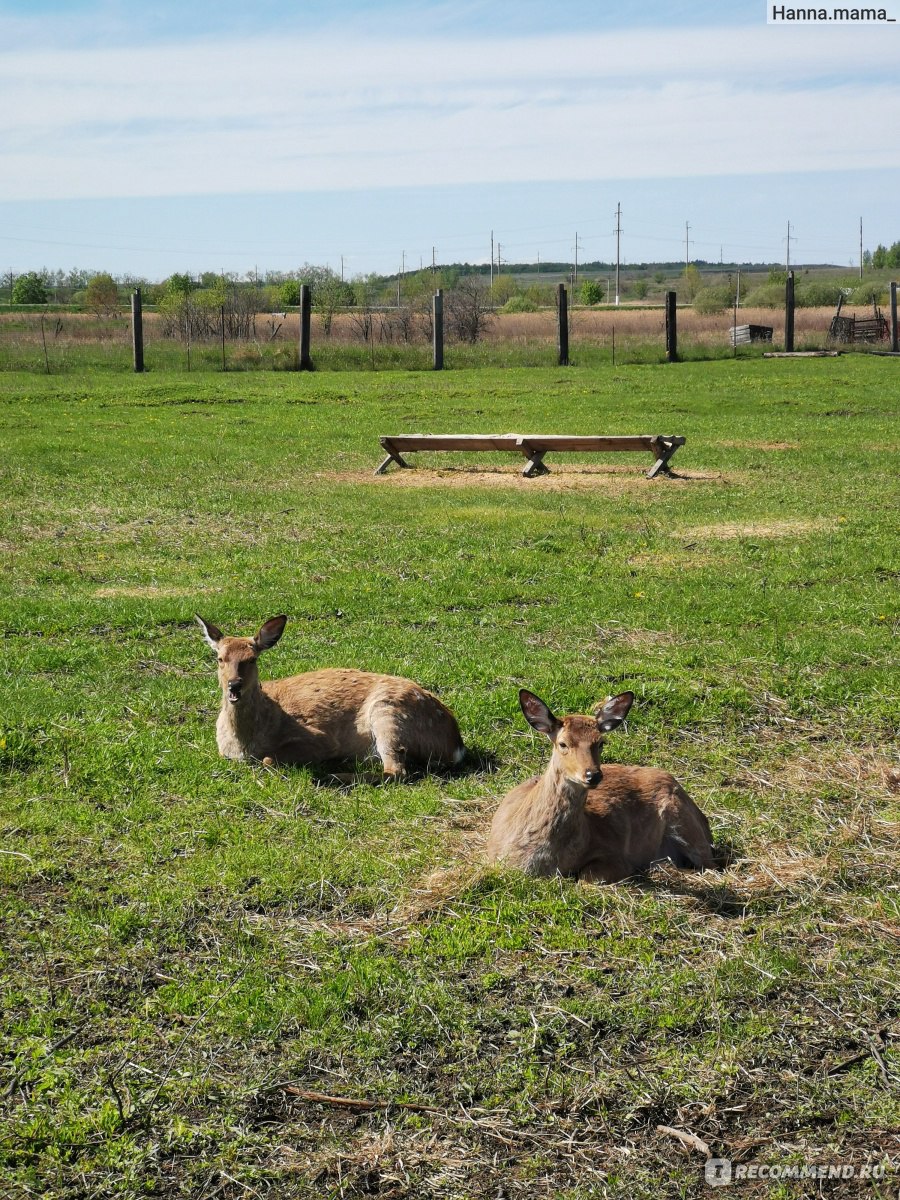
(714, 299)
(466, 311)
(592, 292)
(819, 294)
(768, 295)
(519, 304)
(868, 293)
(102, 295)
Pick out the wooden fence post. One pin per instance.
(895, 347)
(789, 314)
(562, 321)
(305, 309)
(137, 330)
(437, 309)
(671, 327)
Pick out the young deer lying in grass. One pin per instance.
(602, 824)
(327, 714)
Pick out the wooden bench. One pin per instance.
(532, 446)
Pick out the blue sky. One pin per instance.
(208, 136)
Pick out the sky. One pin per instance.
(225, 136)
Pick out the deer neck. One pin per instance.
(239, 725)
(558, 804)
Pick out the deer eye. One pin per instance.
(563, 745)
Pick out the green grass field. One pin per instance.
(193, 949)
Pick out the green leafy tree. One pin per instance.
(183, 284)
(591, 292)
(289, 293)
(505, 287)
(328, 292)
(692, 280)
(102, 295)
(714, 299)
(30, 289)
(641, 288)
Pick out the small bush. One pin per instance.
(591, 292)
(713, 299)
(768, 295)
(868, 293)
(519, 304)
(817, 294)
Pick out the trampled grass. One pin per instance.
(222, 980)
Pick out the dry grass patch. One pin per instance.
(731, 530)
(149, 591)
(750, 445)
(634, 639)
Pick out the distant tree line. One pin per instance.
(398, 307)
(883, 256)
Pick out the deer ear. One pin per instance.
(212, 635)
(613, 711)
(537, 714)
(270, 632)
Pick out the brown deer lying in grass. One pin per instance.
(324, 715)
(602, 824)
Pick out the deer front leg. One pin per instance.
(604, 870)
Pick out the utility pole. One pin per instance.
(860, 248)
(618, 244)
(400, 276)
(342, 268)
(788, 267)
(492, 266)
(433, 267)
(687, 245)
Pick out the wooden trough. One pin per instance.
(743, 335)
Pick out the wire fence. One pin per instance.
(58, 341)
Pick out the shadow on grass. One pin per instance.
(710, 892)
(478, 761)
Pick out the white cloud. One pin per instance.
(293, 114)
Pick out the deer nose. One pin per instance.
(234, 690)
(592, 777)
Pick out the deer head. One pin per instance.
(577, 740)
(237, 656)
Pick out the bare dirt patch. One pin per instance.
(611, 479)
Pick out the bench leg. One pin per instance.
(663, 452)
(535, 465)
(393, 456)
